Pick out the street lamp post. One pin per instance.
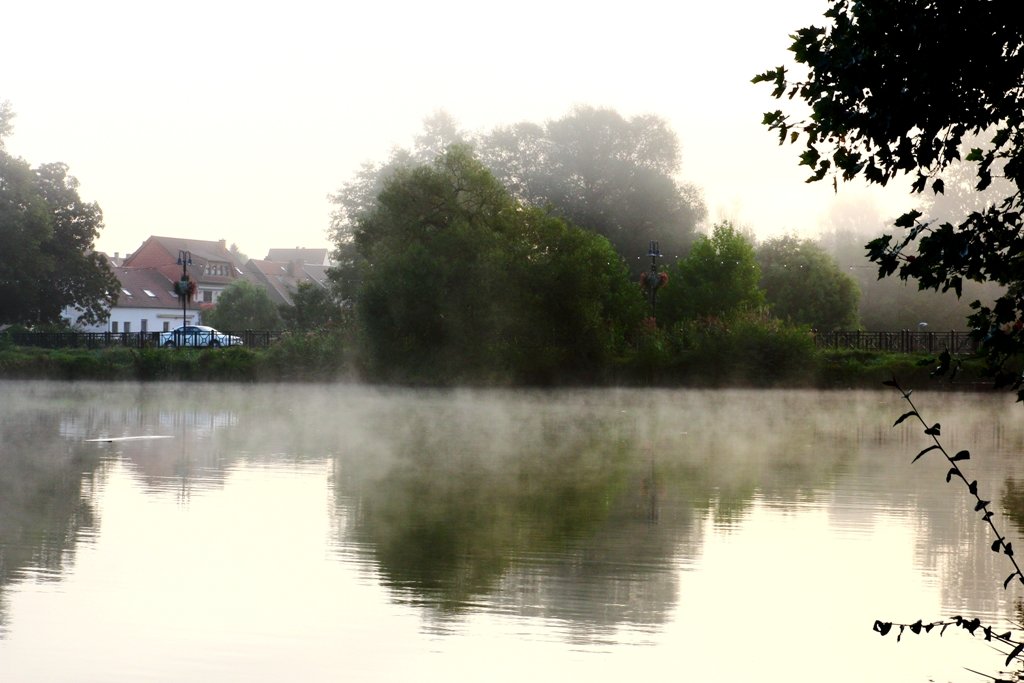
(184, 260)
(652, 280)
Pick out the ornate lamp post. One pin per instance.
(184, 289)
(652, 280)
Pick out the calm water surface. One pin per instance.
(328, 533)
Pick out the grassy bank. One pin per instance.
(744, 361)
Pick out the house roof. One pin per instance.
(207, 250)
(316, 257)
(145, 288)
(281, 279)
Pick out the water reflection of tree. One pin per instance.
(550, 507)
(46, 488)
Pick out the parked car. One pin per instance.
(197, 335)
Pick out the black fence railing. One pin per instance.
(141, 340)
(903, 341)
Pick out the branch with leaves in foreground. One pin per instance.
(999, 545)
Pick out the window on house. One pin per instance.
(145, 325)
(149, 294)
(113, 326)
(126, 292)
(127, 326)
(167, 326)
(207, 297)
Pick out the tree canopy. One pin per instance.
(803, 285)
(243, 306)
(894, 87)
(719, 277)
(593, 167)
(461, 281)
(46, 235)
(603, 172)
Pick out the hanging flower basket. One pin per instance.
(647, 282)
(185, 288)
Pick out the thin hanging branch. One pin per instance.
(999, 545)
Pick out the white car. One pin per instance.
(197, 335)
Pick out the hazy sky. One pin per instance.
(233, 120)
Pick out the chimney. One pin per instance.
(223, 244)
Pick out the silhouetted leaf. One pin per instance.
(973, 487)
(882, 628)
(1006, 584)
(1008, 549)
(904, 416)
(930, 448)
(1014, 652)
(934, 430)
(987, 516)
(953, 471)
(996, 544)
(962, 455)
(916, 627)
(981, 505)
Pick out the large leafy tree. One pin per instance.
(312, 308)
(718, 278)
(46, 235)
(894, 87)
(603, 172)
(803, 285)
(593, 167)
(461, 281)
(243, 306)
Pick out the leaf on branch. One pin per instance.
(916, 627)
(981, 505)
(1008, 549)
(987, 516)
(904, 416)
(934, 430)
(973, 487)
(930, 448)
(962, 455)
(953, 471)
(882, 628)
(996, 544)
(1006, 584)
(1014, 652)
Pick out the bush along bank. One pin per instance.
(711, 354)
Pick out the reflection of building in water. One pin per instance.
(96, 422)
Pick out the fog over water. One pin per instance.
(325, 531)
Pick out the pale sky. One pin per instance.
(231, 120)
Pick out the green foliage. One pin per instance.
(748, 349)
(46, 236)
(243, 306)
(313, 308)
(603, 172)
(461, 282)
(718, 278)
(804, 286)
(888, 97)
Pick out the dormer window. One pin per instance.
(150, 294)
(126, 292)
